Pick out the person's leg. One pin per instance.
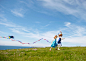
(58, 46)
(51, 48)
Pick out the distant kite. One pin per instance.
(11, 37)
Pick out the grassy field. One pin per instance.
(43, 54)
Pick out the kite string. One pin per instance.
(24, 43)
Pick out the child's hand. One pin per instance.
(60, 32)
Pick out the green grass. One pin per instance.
(43, 54)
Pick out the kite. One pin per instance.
(12, 39)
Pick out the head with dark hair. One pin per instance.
(60, 35)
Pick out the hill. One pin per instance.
(43, 54)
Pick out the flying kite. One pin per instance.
(12, 39)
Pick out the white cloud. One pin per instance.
(10, 43)
(47, 24)
(69, 7)
(76, 40)
(37, 22)
(67, 24)
(2, 18)
(75, 30)
(17, 13)
(28, 3)
(2, 6)
(47, 35)
(2, 32)
(8, 24)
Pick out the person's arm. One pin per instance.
(60, 32)
(52, 40)
(62, 38)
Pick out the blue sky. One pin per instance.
(31, 20)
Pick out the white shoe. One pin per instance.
(58, 49)
(50, 50)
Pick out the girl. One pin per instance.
(54, 44)
(59, 41)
